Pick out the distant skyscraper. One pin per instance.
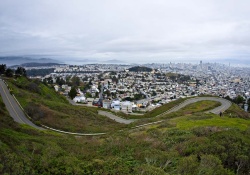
(201, 64)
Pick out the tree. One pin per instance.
(108, 93)
(72, 93)
(60, 81)
(50, 80)
(96, 94)
(154, 93)
(75, 81)
(9, 72)
(188, 165)
(239, 99)
(2, 68)
(228, 98)
(248, 102)
(115, 79)
(88, 95)
(20, 71)
(242, 160)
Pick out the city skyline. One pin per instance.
(130, 31)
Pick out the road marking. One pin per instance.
(11, 104)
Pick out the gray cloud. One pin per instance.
(128, 30)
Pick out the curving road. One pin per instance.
(225, 104)
(115, 117)
(13, 107)
(18, 115)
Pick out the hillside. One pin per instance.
(186, 142)
(34, 64)
(47, 107)
(17, 60)
(140, 69)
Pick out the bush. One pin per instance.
(34, 111)
(33, 87)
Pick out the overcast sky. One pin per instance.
(128, 30)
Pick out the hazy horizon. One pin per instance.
(130, 31)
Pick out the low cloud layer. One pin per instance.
(148, 31)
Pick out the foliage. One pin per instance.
(60, 81)
(20, 71)
(39, 72)
(52, 109)
(9, 72)
(140, 69)
(2, 68)
(239, 99)
(236, 112)
(189, 142)
(72, 93)
(178, 77)
(75, 81)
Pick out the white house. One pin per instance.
(56, 87)
(116, 105)
(79, 99)
(126, 106)
(106, 104)
(94, 89)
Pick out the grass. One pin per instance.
(154, 112)
(236, 112)
(47, 107)
(191, 116)
(210, 120)
(158, 149)
(197, 107)
(200, 106)
(56, 112)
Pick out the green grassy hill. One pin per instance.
(186, 142)
(47, 107)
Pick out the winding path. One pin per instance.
(225, 104)
(17, 113)
(115, 117)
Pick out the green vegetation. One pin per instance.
(2, 68)
(39, 72)
(236, 112)
(154, 112)
(178, 77)
(72, 92)
(188, 122)
(20, 71)
(186, 142)
(46, 107)
(140, 69)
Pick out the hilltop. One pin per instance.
(34, 64)
(140, 69)
(188, 141)
(18, 60)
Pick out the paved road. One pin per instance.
(225, 104)
(12, 106)
(18, 115)
(116, 118)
